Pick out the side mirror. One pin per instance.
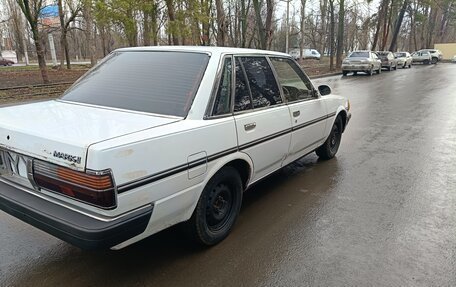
(324, 90)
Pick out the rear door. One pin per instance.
(307, 109)
(262, 118)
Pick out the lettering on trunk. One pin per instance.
(68, 157)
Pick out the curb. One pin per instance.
(325, 75)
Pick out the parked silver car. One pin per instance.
(361, 61)
(436, 55)
(404, 59)
(423, 57)
(388, 60)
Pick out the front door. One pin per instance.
(307, 109)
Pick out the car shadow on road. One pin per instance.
(151, 258)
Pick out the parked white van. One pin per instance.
(9, 55)
(306, 54)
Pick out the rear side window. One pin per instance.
(222, 103)
(242, 98)
(262, 82)
(147, 81)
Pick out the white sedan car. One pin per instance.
(154, 136)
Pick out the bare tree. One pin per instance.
(31, 10)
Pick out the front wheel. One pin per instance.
(217, 209)
(371, 71)
(330, 147)
(344, 73)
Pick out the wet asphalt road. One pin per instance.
(383, 213)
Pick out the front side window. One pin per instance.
(262, 82)
(222, 102)
(295, 85)
(147, 81)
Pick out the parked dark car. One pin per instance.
(388, 60)
(5, 62)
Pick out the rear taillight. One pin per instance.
(95, 188)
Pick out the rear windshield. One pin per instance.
(360, 54)
(400, 55)
(382, 53)
(146, 81)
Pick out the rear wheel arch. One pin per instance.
(243, 168)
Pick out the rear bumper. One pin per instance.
(356, 67)
(73, 227)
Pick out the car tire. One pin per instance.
(410, 65)
(217, 208)
(390, 68)
(379, 71)
(330, 147)
(371, 71)
(355, 73)
(395, 67)
(434, 61)
(344, 73)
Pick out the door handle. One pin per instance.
(250, 126)
(296, 113)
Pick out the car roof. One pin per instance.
(203, 49)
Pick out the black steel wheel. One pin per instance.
(217, 209)
(330, 147)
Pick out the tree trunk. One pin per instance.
(331, 35)
(62, 33)
(206, 13)
(261, 32)
(268, 24)
(40, 55)
(89, 31)
(340, 33)
(171, 20)
(303, 20)
(146, 28)
(221, 24)
(67, 52)
(381, 18)
(397, 28)
(323, 8)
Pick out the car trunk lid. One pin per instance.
(61, 132)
